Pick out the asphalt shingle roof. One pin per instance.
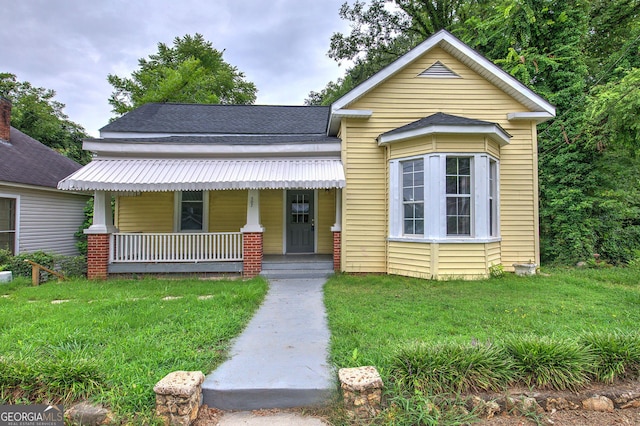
(436, 119)
(24, 160)
(228, 140)
(223, 119)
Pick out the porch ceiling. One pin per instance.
(148, 175)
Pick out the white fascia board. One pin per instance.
(336, 116)
(491, 130)
(538, 117)
(114, 148)
(466, 55)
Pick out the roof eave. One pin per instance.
(491, 130)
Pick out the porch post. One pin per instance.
(98, 236)
(337, 233)
(252, 236)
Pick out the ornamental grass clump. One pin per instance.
(451, 368)
(551, 363)
(618, 354)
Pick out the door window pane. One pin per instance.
(300, 209)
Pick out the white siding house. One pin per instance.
(34, 215)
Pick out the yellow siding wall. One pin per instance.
(405, 98)
(271, 217)
(227, 210)
(148, 212)
(410, 259)
(462, 261)
(326, 219)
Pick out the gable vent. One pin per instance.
(438, 70)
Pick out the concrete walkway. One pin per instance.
(280, 360)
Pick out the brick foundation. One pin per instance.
(97, 256)
(337, 249)
(252, 254)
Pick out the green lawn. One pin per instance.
(371, 316)
(113, 340)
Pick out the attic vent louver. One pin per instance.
(438, 70)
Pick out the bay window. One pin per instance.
(449, 197)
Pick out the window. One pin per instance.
(458, 181)
(444, 197)
(8, 224)
(493, 191)
(192, 211)
(413, 196)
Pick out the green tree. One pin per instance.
(190, 71)
(36, 113)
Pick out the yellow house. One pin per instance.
(427, 169)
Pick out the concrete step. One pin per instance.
(282, 269)
(236, 399)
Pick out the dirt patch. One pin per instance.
(566, 409)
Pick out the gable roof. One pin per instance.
(174, 118)
(26, 161)
(465, 55)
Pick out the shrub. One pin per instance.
(419, 409)
(72, 266)
(451, 368)
(20, 268)
(545, 362)
(618, 354)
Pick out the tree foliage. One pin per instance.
(190, 71)
(36, 113)
(582, 56)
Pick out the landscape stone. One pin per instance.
(86, 414)
(598, 403)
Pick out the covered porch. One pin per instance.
(209, 216)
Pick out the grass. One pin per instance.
(371, 316)
(432, 341)
(113, 340)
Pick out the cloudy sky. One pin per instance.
(71, 45)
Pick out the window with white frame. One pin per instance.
(413, 196)
(444, 197)
(192, 211)
(8, 224)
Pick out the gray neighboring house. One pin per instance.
(34, 215)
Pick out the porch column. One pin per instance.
(337, 233)
(98, 235)
(252, 236)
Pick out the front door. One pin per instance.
(300, 222)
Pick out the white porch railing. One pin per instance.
(175, 247)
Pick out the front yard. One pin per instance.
(483, 334)
(112, 341)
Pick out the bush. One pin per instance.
(618, 354)
(54, 378)
(451, 368)
(69, 266)
(20, 268)
(544, 362)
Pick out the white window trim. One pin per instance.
(435, 226)
(16, 241)
(177, 211)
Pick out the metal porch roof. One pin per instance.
(154, 175)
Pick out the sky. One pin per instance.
(70, 46)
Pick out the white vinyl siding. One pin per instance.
(47, 220)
